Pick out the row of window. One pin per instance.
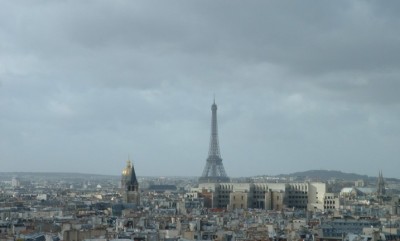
(329, 197)
(234, 197)
(297, 201)
(297, 192)
(298, 197)
(224, 196)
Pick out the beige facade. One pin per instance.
(272, 196)
(239, 200)
(274, 200)
(316, 196)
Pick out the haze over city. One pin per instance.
(85, 84)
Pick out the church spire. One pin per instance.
(130, 184)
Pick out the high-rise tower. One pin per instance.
(214, 170)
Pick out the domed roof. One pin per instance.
(127, 169)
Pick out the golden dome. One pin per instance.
(127, 169)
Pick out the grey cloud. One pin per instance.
(306, 84)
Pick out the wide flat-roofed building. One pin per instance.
(272, 196)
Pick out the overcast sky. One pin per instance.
(299, 85)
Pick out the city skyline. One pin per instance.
(299, 86)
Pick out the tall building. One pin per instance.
(214, 170)
(130, 185)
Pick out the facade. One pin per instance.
(298, 195)
(259, 191)
(239, 200)
(274, 200)
(331, 202)
(316, 195)
(310, 196)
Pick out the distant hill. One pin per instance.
(324, 175)
(54, 175)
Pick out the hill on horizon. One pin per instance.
(326, 175)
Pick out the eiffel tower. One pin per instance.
(214, 170)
